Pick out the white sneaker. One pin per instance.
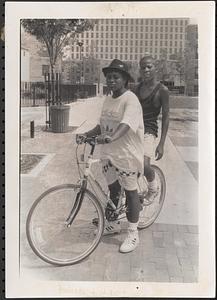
(150, 196)
(130, 242)
(110, 228)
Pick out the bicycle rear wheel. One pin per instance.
(152, 209)
(46, 229)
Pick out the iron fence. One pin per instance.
(36, 93)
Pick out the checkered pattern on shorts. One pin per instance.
(111, 173)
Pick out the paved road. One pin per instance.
(169, 248)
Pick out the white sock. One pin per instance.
(152, 185)
(133, 226)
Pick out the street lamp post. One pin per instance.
(80, 44)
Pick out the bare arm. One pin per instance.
(119, 132)
(164, 97)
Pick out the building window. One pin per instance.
(151, 28)
(156, 29)
(171, 36)
(45, 69)
(106, 42)
(111, 42)
(171, 22)
(156, 22)
(122, 35)
(171, 29)
(161, 22)
(136, 35)
(146, 22)
(121, 56)
(166, 36)
(102, 42)
(131, 35)
(156, 35)
(126, 35)
(126, 42)
(146, 35)
(116, 35)
(166, 22)
(125, 56)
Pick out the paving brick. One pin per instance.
(170, 250)
(162, 275)
(179, 243)
(175, 270)
(193, 229)
(182, 252)
(168, 238)
(172, 259)
(189, 276)
(158, 242)
(191, 238)
(186, 263)
(182, 228)
(176, 279)
(159, 252)
(157, 234)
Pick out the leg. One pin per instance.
(133, 205)
(114, 189)
(150, 176)
(133, 208)
(148, 171)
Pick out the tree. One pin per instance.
(162, 66)
(55, 34)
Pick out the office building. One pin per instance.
(129, 39)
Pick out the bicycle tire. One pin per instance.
(64, 250)
(161, 198)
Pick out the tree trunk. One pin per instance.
(52, 84)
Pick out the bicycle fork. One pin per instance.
(77, 205)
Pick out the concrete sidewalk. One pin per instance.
(168, 251)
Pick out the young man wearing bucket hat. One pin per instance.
(120, 131)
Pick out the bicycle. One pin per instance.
(65, 224)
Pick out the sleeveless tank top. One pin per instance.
(150, 112)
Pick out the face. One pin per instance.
(147, 69)
(115, 81)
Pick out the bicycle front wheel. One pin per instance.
(47, 231)
(152, 209)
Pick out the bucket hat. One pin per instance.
(118, 65)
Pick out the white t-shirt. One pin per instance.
(127, 152)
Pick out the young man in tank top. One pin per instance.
(154, 97)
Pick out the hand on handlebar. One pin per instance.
(80, 138)
(103, 139)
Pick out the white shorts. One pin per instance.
(111, 173)
(149, 144)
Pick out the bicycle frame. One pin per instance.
(88, 177)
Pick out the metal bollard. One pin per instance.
(32, 129)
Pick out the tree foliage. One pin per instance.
(56, 33)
